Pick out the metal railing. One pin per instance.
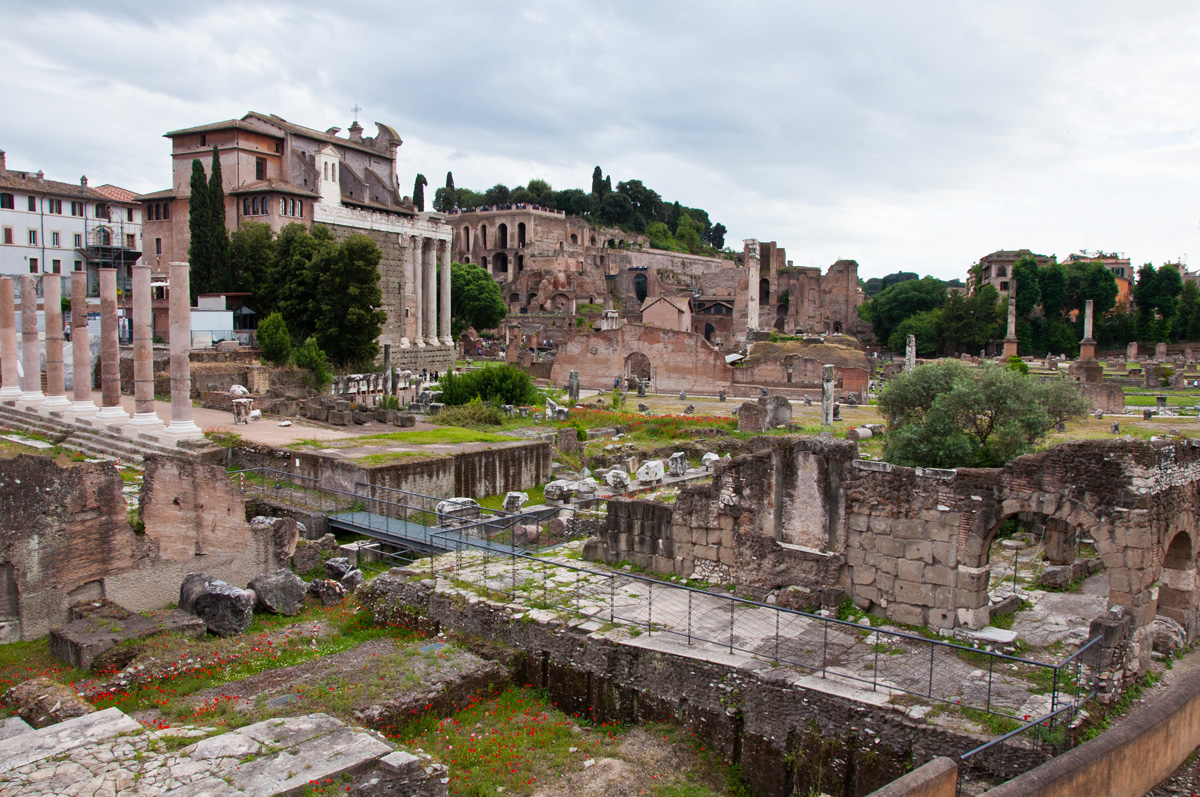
(933, 669)
(1019, 750)
(480, 556)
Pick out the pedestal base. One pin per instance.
(55, 403)
(420, 343)
(10, 393)
(404, 344)
(82, 409)
(1010, 349)
(114, 414)
(447, 342)
(30, 401)
(144, 422)
(181, 430)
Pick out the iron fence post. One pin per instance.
(612, 597)
(932, 650)
(777, 636)
(731, 625)
(825, 648)
(650, 609)
(1054, 692)
(875, 672)
(991, 669)
(689, 619)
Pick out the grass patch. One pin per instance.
(443, 436)
(537, 495)
(372, 460)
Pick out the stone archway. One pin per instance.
(640, 287)
(1177, 598)
(709, 331)
(637, 366)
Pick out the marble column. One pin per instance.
(753, 269)
(182, 425)
(31, 348)
(144, 416)
(418, 270)
(429, 260)
(11, 388)
(110, 351)
(406, 297)
(444, 314)
(81, 348)
(1010, 340)
(828, 394)
(56, 392)
(1087, 346)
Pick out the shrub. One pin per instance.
(1015, 363)
(389, 403)
(274, 340)
(311, 357)
(499, 384)
(471, 415)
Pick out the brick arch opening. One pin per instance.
(1177, 593)
(637, 366)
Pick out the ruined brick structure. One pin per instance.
(67, 537)
(674, 360)
(913, 544)
(797, 300)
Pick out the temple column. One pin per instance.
(81, 348)
(753, 269)
(56, 393)
(31, 350)
(444, 314)
(11, 388)
(429, 260)
(180, 316)
(1010, 340)
(1087, 346)
(144, 416)
(110, 373)
(406, 298)
(418, 269)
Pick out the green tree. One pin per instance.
(450, 203)
(540, 193)
(251, 251)
(1052, 284)
(200, 257)
(348, 315)
(946, 415)
(293, 286)
(1025, 276)
(1186, 312)
(475, 299)
(926, 327)
(274, 340)
(716, 236)
(497, 195)
(310, 356)
(221, 278)
(498, 384)
(418, 197)
(597, 183)
(898, 302)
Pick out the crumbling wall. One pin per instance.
(67, 535)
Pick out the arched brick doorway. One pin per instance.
(637, 366)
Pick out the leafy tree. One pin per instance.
(293, 287)
(200, 256)
(221, 277)
(673, 217)
(475, 299)
(274, 340)
(251, 251)
(926, 327)
(498, 384)
(1091, 281)
(1186, 312)
(716, 236)
(946, 415)
(347, 314)
(645, 203)
(597, 182)
(540, 192)
(1156, 294)
(311, 357)
(1025, 276)
(1052, 284)
(418, 196)
(497, 195)
(900, 301)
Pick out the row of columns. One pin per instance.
(428, 324)
(26, 390)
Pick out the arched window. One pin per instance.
(157, 215)
(561, 246)
(520, 263)
(483, 235)
(521, 234)
(282, 206)
(483, 263)
(502, 236)
(1001, 271)
(574, 239)
(593, 240)
(333, 170)
(167, 212)
(299, 208)
(293, 206)
(500, 263)
(640, 287)
(764, 291)
(246, 206)
(254, 206)
(326, 171)
(466, 239)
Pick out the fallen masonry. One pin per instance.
(108, 752)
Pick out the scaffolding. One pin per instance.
(110, 242)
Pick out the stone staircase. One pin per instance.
(109, 753)
(98, 442)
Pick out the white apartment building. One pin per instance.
(48, 227)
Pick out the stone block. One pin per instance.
(940, 575)
(225, 609)
(728, 556)
(337, 418)
(908, 529)
(906, 613)
(699, 536)
(919, 551)
(943, 553)
(681, 533)
(42, 702)
(887, 546)
(908, 570)
(864, 575)
(709, 552)
(714, 537)
(856, 522)
(110, 636)
(727, 538)
(885, 581)
(663, 564)
(856, 557)
(914, 593)
(641, 560)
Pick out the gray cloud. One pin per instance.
(916, 136)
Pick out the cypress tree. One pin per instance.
(597, 182)
(200, 228)
(221, 277)
(419, 191)
(451, 199)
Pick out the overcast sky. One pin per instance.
(916, 136)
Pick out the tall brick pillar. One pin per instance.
(10, 387)
(144, 416)
(182, 426)
(81, 349)
(110, 374)
(56, 392)
(31, 349)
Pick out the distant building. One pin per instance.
(669, 312)
(1116, 262)
(996, 269)
(278, 173)
(49, 227)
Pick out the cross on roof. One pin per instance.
(355, 111)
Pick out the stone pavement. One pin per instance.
(704, 624)
(108, 754)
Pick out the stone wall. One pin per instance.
(1105, 396)
(912, 544)
(675, 360)
(67, 536)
